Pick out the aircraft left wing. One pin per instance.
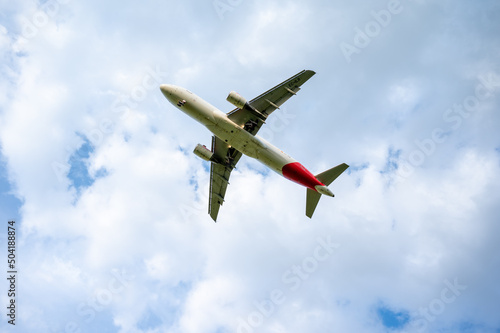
(268, 102)
(223, 162)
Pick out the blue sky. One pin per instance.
(111, 205)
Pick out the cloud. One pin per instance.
(113, 223)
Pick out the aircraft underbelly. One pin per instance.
(231, 139)
(250, 145)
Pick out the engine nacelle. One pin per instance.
(236, 99)
(203, 152)
(240, 102)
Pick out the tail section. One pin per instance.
(327, 177)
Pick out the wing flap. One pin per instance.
(218, 187)
(223, 162)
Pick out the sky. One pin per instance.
(110, 203)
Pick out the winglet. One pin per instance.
(327, 177)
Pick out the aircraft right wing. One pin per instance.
(269, 101)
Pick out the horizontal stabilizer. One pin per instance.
(312, 199)
(329, 176)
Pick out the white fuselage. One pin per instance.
(226, 130)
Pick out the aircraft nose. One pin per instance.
(167, 89)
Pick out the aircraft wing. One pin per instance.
(224, 161)
(269, 101)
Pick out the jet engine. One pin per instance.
(236, 99)
(203, 152)
(240, 102)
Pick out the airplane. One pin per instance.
(235, 133)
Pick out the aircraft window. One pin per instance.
(181, 103)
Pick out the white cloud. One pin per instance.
(136, 251)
